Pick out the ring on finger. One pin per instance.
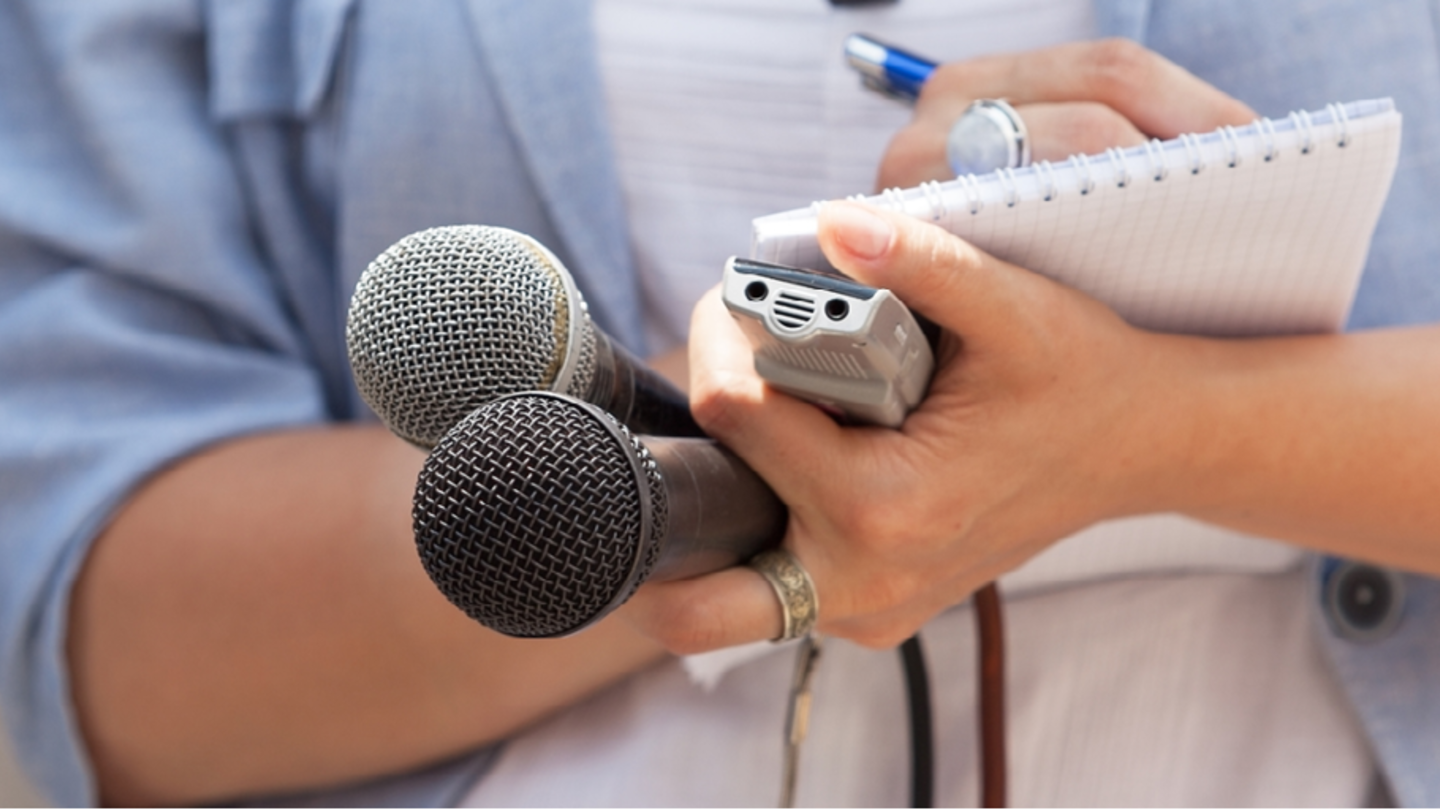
(799, 604)
(989, 135)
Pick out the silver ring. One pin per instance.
(798, 602)
(990, 135)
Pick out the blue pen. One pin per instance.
(887, 69)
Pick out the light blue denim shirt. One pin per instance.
(189, 191)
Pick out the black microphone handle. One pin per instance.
(720, 512)
(635, 394)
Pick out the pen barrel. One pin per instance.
(906, 72)
(887, 69)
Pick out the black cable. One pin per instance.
(922, 741)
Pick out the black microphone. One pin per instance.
(448, 319)
(539, 513)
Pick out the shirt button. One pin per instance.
(1363, 602)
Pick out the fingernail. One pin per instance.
(859, 230)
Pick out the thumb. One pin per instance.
(935, 273)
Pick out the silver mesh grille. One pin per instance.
(448, 319)
(584, 364)
(530, 517)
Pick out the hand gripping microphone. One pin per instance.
(448, 319)
(538, 514)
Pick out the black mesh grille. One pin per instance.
(448, 319)
(529, 515)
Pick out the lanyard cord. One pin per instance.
(991, 657)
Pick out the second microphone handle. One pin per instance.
(720, 513)
(636, 395)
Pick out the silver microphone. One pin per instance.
(448, 319)
(538, 514)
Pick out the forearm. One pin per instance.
(1329, 442)
(256, 619)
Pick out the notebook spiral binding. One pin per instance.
(1155, 159)
(1087, 180)
(1192, 153)
(1232, 141)
(1268, 127)
(972, 193)
(1012, 187)
(1338, 114)
(1041, 181)
(1120, 168)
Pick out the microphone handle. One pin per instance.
(636, 395)
(720, 513)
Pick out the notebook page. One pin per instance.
(1224, 242)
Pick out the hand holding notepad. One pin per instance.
(1253, 230)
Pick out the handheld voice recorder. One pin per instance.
(825, 338)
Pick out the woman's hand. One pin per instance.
(1047, 412)
(1042, 418)
(1079, 98)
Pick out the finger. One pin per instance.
(1162, 99)
(719, 354)
(936, 273)
(723, 609)
(786, 441)
(1057, 131)
(915, 155)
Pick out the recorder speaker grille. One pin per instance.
(793, 310)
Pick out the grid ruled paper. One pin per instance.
(1254, 230)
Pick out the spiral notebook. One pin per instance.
(1261, 229)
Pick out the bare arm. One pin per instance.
(1329, 442)
(256, 619)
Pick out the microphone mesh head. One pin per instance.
(538, 514)
(448, 319)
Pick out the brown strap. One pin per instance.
(991, 632)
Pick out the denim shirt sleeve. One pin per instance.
(139, 321)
